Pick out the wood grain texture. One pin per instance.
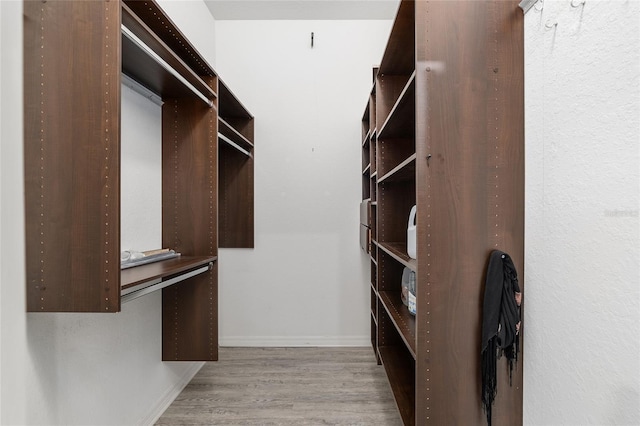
(189, 226)
(286, 386)
(72, 155)
(236, 213)
(469, 102)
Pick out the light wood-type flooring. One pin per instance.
(287, 386)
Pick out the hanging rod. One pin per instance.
(131, 36)
(141, 89)
(133, 293)
(233, 144)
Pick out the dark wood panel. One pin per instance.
(508, 183)
(388, 91)
(404, 322)
(244, 126)
(395, 200)
(400, 122)
(372, 112)
(131, 277)
(236, 199)
(403, 172)
(189, 225)
(72, 155)
(190, 319)
(400, 369)
(366, 128)
(230, 132)
(154, 17)
(389, 272)
(458, 204)
(399, 55)
(230, 105)
(398, 251)
(393, 152)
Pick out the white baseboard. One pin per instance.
(295, 341)
(170, 395)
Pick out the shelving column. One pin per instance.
(72, 155)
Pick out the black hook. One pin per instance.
(311, 39)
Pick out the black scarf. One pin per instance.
(500, 323)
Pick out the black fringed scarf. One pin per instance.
(500, 323)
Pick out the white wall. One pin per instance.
(1, 210)
(582, 345)
(12, 305)
(81, 369)
(306, 281)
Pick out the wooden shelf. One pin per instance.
(150, 12)
(231, 137)
(142, 274)
(151, 63)
(400, 123)
(398, 251)
(230, 105)
(367, 169)
(365, 141)
(405, 171)
(401, 376)
(403, 320)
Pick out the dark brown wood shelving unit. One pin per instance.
(445, 129)
(236, 170)
(74, 56)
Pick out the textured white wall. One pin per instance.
(582, 345)
(305, 283)
(82, 369)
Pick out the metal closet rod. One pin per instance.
(133, 293)
(131, 36)
(233, 144)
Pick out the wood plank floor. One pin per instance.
(287, 386)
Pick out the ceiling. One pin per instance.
(302, 9)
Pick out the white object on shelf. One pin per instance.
(411, 234)
(411, 297)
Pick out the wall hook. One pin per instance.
(312, 39)
(539, 6)
(525, 5)
(550, 24)
(578, 3)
